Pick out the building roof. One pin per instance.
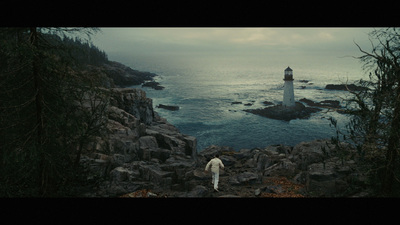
(288, 69)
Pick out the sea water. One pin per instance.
(205, 86)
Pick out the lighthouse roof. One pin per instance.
(288, 69)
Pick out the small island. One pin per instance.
(168, 107)
(290, 109)
(280, 112)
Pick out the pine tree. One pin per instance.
(44, 114)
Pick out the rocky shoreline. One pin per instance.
(143, 155)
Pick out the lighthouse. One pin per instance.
(288, 94)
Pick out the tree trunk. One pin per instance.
(78, 155)
(42, 179)
(38, 85)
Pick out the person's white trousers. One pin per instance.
(215, 179)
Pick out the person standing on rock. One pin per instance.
(215, 164)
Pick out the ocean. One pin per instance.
(205, 85)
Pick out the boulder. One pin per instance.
(120, 174)
(244, 178)
(306, 153)
(156, 175)
(243, 154)
(209, 152)
(227, 160)
(148, 142)
(158, 153)
(322, 171)
(96, 167)
(198, 174)
(124, 118)
(180, 168)
(191, 146)
(198, 191)
(169, 137)
(119, 159)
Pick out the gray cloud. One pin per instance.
(333, 41)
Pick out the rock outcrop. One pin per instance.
(141, 150)
(133, 102)
(279, 112)
(344, 87)
(168, 107)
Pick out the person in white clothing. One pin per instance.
(215, 164)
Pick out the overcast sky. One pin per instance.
(337, 41)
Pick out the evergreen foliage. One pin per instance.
(49, 109)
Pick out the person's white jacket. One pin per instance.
(215, 164)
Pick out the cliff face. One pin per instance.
(134, 102)
(141, 150)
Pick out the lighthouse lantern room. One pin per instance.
(288, 93)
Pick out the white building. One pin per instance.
(288, 93)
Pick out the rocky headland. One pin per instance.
(143, 155)
(118, 75)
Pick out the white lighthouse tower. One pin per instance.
(288, 94)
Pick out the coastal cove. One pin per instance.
(144, 155)
(213, 95)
